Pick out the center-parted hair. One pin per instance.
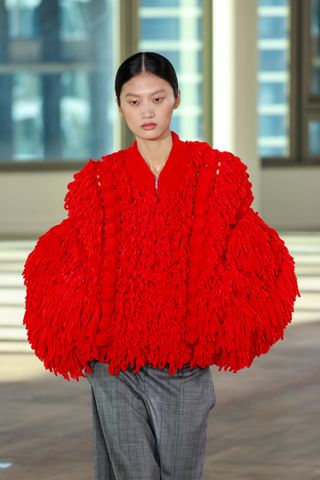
(145, 62)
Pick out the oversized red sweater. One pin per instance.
(161, 272)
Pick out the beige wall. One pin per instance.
(32, 202)
(290, 197)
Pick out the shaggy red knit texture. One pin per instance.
(165, 273)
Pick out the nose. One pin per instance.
(147, 112)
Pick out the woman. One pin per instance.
(161, 269)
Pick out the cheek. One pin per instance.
(130, 113)
(166, 107)
(169, 109)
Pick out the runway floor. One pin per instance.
(265, 424)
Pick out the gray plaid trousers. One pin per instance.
(149, 425)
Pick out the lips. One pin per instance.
(149, 125)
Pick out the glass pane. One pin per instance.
(272, 26)
(272, 60)
(173, 28)
(26, 116)
(151, 28)
(57, 98)
(273, 3)
(169, 3)
(273, 77)
(314, 137)
(315, 48)
(272, 92)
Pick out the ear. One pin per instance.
(177, 101)
(119, 108)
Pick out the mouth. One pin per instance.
(149, 125)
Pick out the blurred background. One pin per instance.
(249, 75)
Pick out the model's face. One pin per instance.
(147, 98)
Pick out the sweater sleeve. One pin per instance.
(55, 296)
(61, 279)
(259, 285)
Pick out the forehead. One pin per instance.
(133, 94)
(145, 84)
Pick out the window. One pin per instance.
(311, 81)
(274, 78)
(56, 80)
(174, 28)
(289, 82)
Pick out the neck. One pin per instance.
(155, 152)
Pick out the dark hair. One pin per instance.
(145, 62)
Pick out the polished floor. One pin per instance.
(265, 424)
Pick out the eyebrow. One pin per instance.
(134, 95)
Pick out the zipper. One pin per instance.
(156, 180)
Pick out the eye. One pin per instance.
(133, 101)
(158, 98)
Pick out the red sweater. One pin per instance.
(165, 273)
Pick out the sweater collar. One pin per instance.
(171, 173)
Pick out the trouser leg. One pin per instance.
(179, 406)
(102, 463)
(123, 423)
